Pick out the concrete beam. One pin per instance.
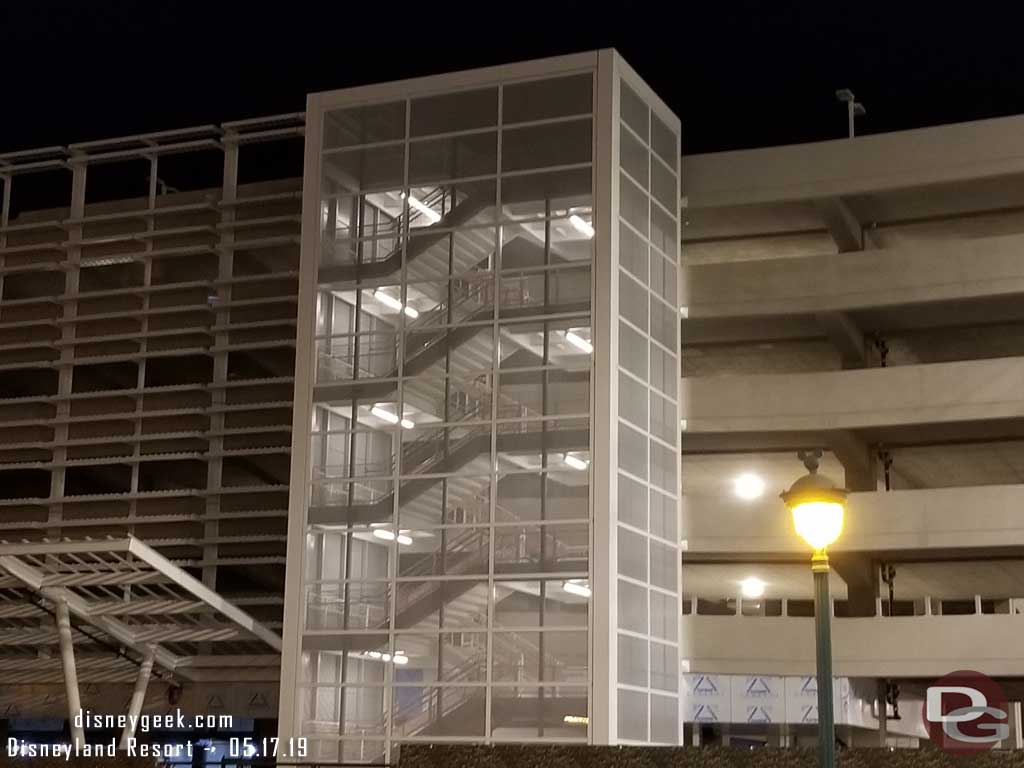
(842, 224)
(846, 337)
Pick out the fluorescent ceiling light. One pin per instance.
(426, 210)
(391, 302)
(748, 486)
(578, 587)
(387, 534)
(575, 462)
(581, 225)
(685, 312)
(579, 342)
(391, 418)
(576, 720)
(400, 658)
(752, 587)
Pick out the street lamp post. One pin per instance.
(818, 505)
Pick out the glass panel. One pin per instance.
(368, 170)
(548, 657)
(663, 232)
(451, 603)
(632, 498)
(541, 710)
(633, 253)
(664, 616)
(664, 420)
(448, 501)
(354, 605)
(663, 278)
(540, 99)
(634, 158)
(663, 142)
(430, 450)
(663, 186)
(550, 392)
(453, 157)
(633, 351)
(427, 710)
(454, 112)
(542, 146)
(450, 657)
(449, 551)
(664, 516)
(632, 607)
(632, 554)
(664, 566)
(543, 496)
(536, 549)
(664, 719)
(364, 125)
(632, 660)
(633, 301)
(536, 603)
(663, 467)
(546, 194)
(363, 709)
(633, 205)
(525, 445)
(664, 324)
(632, 401)
(663, 371)
(632, 715)
(632, 451)
(634, 111)
(664, 674)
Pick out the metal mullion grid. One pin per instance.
(5, 215)
(496, 366)
(395, 438)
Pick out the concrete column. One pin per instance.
(67, 656)
(137, 700)
(883, 720)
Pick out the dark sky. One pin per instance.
(739, 73)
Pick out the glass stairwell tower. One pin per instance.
(483, 518)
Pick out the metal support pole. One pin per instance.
(823, 633)
(67, 655)
(849, 116)
(137, 700)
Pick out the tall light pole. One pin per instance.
(818, 505)
(854, 108)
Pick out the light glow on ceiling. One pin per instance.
(752, 587)
(748, 486)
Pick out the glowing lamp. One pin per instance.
(817, 504)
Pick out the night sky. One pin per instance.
(739, 73)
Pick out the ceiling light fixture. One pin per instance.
(748, 486)
(578, 587)
(384, 414)
(425, 209)
(575, 462)
(581, 225)
(391, 302)
(579, 342)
